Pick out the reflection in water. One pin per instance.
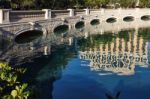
(55, 71)
(144, 33)
(26, 52)
(119, 56)
(4, 43)
(28, 36)
(48, 69)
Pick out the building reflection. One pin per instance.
(119, 56)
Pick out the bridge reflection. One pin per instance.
(119, 56)
(15, 53)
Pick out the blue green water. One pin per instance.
(98, 66)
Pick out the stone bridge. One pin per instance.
(43, 44)
(13, 23)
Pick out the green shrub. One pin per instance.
(10, 87)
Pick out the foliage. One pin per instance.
(10, 87)
(144, 3)
(59, 4)
(127, 3)
(96, 3)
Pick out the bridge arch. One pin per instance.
(145, 17)
(27, 36)
(111, 20)
(63, 28)
(79, 24)
(128, 18)
(95, 22)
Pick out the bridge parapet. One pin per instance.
(8, 15)
(22, 16)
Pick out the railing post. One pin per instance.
(87, 11)
(48, 13)
(4, 16)
(71, 12)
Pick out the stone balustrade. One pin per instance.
(8, 16)
(18, 16)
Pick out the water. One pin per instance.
(81, 65)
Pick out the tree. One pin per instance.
(4, 4)
(64, 4)
(128, 3)
(144, 3)
(22, 4)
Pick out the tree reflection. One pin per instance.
(95, 40)
(124, 34)
(144, 33)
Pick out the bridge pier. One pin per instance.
(70, 41)
(47, 50)
(86, 35)
(45, 32)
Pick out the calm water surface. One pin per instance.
(110, 65)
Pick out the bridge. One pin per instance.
(26, 51)
(13, 23)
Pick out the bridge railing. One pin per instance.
(8, 16)
(60, 13)
(22, 16)
(79, 12)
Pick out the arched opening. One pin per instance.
(95, 22)
(79, 25)
(61, 29)
(28, 36)
(145, 17)
(128, 18)
(111, 20)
